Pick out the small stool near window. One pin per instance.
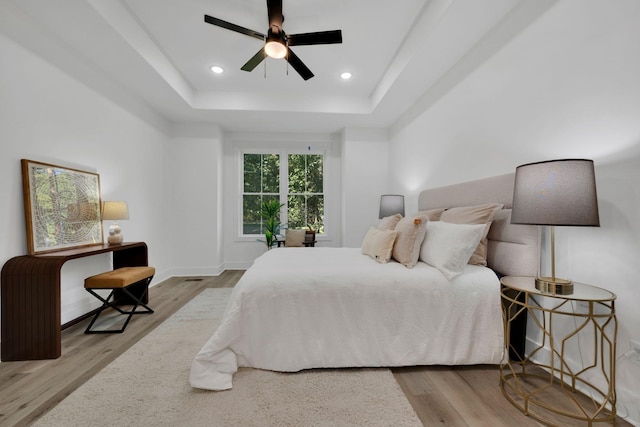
(120, 282)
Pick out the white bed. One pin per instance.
(298, 309)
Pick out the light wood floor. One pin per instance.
(456, 396)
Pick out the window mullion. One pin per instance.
(284, 186)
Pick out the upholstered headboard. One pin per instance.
(512, 249)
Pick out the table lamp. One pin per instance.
(114, 211)
(551, 193)
(391, 204)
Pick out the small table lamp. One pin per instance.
(114, 211)
(555, 192)
(391, 204)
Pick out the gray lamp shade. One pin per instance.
(556, 192)
(391, 204)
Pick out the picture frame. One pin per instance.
(61, 207)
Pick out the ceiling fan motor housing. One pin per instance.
(276, 45)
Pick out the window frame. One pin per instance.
(283, 153)
(307, 194)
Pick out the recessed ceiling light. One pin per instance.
(345, 75)
(216, 69)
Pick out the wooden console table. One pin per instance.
(30, 298)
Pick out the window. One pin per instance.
(305, 198)
(261, 182)
(301, 190)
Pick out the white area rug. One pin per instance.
(148, 385)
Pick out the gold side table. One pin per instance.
(543, 383)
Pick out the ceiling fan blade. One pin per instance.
(233, 27)
(298, 65)
(320, 37)
(274, 9)
(255, 60)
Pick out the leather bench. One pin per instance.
(119, 280)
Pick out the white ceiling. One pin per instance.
(403, 55)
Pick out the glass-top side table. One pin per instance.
(543, 383)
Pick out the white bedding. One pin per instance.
(307, 308)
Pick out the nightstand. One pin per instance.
(544, 382)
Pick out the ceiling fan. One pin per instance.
(277, 42)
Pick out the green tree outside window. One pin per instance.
(261, 184)
(304, 194)
(305, 200)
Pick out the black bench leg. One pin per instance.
(106, 303)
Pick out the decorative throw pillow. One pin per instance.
(479, 214)
(432, 214)
(389, 222)
(449, 246)
(294, 238)
(378, 244)
(411, 231)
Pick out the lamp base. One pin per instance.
(115, 239)
(554, 285)
(115, 235)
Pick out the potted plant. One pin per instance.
(271, 213)
(310, 236)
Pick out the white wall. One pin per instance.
(566, 87)
(47, 116)
(365, 176)
(194, 200)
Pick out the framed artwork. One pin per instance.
(61, 206)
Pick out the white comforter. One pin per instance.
(306, 308)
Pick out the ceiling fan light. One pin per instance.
(275, 49)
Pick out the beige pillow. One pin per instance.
(479, 214)
(389, 222)
(411, 232)
(378, 244)
(294, 238)
(432, 214)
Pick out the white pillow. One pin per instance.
(449, 246)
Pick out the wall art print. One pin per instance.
(62, 207)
